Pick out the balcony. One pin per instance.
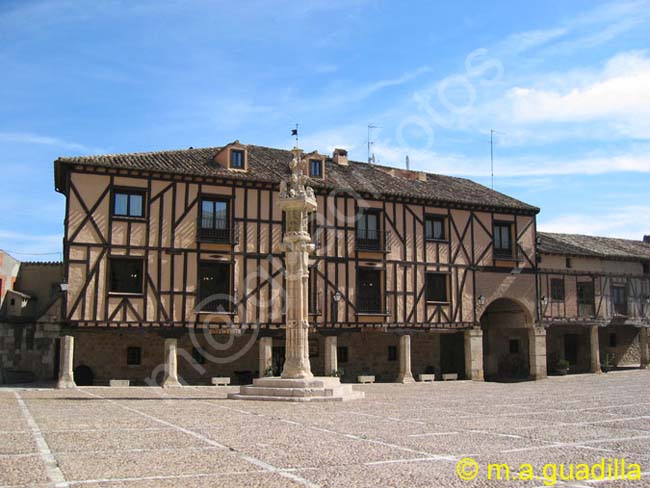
(370, 305)
(372, 240)
(586, 309)
(222, 232)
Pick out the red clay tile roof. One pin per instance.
(270, 165)
(591, 246)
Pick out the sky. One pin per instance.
(565, 86)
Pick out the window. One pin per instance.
(214, 287)
(436, 287)
(315, 168)
(197, 355)
(585, 299)
(368, 235)
(502, 239)
(125, 275)
(313, 304)
(215, 220)
(612, 339)
(392, 353)
(557, 289)
(646, 268)
(568, 263)
(368, 290)
(513, 346)
(133, 356)
(342, 354)
(128, 203)
(434, 228)
(619, 298)
(237, 159)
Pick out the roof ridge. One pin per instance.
(552, 234)
(139, 153)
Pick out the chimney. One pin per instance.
(646, 239)
(340, 157)
(422, 176)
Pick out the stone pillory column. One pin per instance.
(297, 383)
(66, 362)
(171, 364)
(537, 352)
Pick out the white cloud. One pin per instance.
(620, 95)
(31, 247)
(629, 222)
(29, 138)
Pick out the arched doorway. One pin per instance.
(507, 329)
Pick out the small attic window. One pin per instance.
(315, 168)
(236, 159)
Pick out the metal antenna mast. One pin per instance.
(371, 157)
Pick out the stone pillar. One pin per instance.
(537, 352)
(66, 363)
(266, 355)
(331, 358)
(405, 375)
(643, 345)
(474, 354)
(171, 365)
(594, 349)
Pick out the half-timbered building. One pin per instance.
(594, 300)
(186, 245)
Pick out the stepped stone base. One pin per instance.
(319, 389)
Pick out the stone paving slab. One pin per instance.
(399, 435)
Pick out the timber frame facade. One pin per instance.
(167, 240)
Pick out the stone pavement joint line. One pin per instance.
(51, 466)
(256, 462)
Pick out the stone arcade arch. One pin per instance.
(513, 348)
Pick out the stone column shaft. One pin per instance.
(66, 363)
(474, 354)
(266, 355)
(537, 352)
(643, 344)
(594, 350)
(171, 365)
(405, 375)
(331, 356)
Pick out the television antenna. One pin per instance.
(371, 156)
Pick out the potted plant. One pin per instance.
(607, 363)
(562, 367)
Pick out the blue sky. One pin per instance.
(566, 85)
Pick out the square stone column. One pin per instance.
(474, 354)
(594, 348)
(266, 355)
(537, 352)
(331, 357)
(66, 363)
(171, 365)
(643, 346)
(405, 375)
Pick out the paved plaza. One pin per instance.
(399, 435)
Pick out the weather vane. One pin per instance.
(294, 132)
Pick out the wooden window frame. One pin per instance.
(230, 309)
(320, 165)
(500, 254)
(202, 232)
(553, 289)
(436, 218)
(234, 151)
(129, 191)
(111, 261)
(446, 276)
(382, 301)
(624, 303)
(137, 350)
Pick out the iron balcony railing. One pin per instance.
(220, 230)
(369, 304)
(372, 240)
